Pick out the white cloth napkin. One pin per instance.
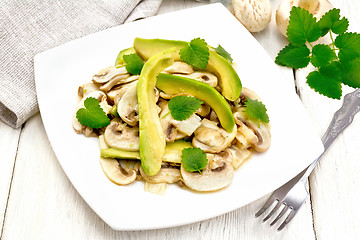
(28, 27)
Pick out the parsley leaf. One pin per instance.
(349, 46)
(322, 55)
(222, 52)
(294, 56)
(182, 107)
(331, 21)
(193, 159)
(196, 53)
(256, 110)
(302, 27)
(134, 64)
(92, 115)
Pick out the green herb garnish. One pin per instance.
(193, 159)
(92, 115)
(336, 63)
(196, 53)
(256, 110)
(182, 107)
(222, 52)
(134, 64)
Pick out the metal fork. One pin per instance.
(293, 194)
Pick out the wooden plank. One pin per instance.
(335, 182)
(8, 147)
(44, 205)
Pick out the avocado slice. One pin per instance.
(172, 84)
(152, 136)
(119, 59)
(119, 154)
(229, 80)
(172, 154)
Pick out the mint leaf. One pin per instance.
(256, 110)
(325, 84)
(322, 55)
(351, 73)
(302, 27)
(222, 52)
(193, 159)
(182, 107)
(294, 56)
(92, 115)
(196, 53)
(349, 46)
(331, 21)
(134, 64)
(340, 26)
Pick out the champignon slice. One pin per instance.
(121, 79)
(260, 130)
(204, 110)
(245, 92)
(87, 88)
(109, 73)
(209, 179)
(212, 139)
(120, 136)
(172, 127)
(127, 107)
(170, 96)
(179, 67)
(113, 169)
(234, 155)
(205, 77)
(166, 174)
(101, 97)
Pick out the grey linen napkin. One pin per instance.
(28, 27)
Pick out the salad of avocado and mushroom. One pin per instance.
(172, 112)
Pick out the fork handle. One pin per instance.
(341, 120)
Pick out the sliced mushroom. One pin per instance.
(121, 79)
(234, 155)
(210, 179)
(261, 131)
(204, 110)
(87, 88)
(212, 139)
(167, 174)
(127, 107)
(109, 73)
(119, 135)
(113, 169)
(120, 91)
(175, 129)
(205, 77)
(179, 67)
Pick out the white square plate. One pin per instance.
(59, 72)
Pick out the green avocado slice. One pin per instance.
(119, 59)
(229, 80)
(173, 152)
(172, 84)
(152, 136)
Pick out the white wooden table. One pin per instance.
(37, 201)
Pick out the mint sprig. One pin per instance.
(92, 115)
(196, 53)
(182, 107)
(134, 64)
(193, 159)
(336, 63)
